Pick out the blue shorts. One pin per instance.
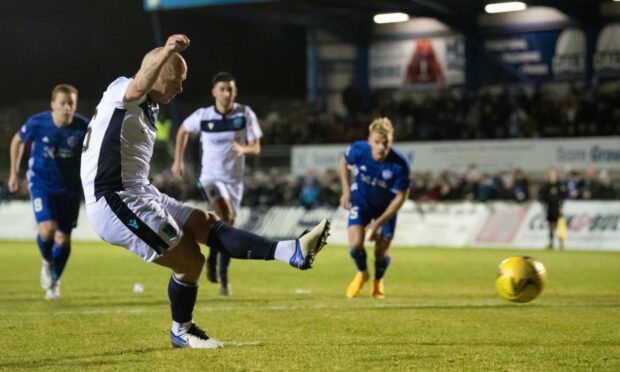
(62, 207)
(362, 217)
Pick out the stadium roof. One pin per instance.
(459, 14)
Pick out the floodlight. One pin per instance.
(511, 6)
(391, 17)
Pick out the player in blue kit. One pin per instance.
(53, 179)
(380, 188)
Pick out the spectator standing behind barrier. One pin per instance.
(520, 186)
(552, 195)
(310, 191)
(589, 186)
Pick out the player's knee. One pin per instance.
(205, 218)
(62, 239)
(198, 225)
(210, 218)
(47, 232)
(356, 242)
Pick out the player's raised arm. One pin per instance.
(152, 65)
(16, 152)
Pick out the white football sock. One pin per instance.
(285, 250)
(179, 329)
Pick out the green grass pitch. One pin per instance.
(440, 313)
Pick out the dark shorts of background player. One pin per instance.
(60, 206)
(553, 214)
(362, 217)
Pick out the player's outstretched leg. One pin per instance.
(299, 253)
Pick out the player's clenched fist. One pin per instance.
(177, 43)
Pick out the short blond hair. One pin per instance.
(383, 126)
(63, 88)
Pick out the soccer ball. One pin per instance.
(520, 278)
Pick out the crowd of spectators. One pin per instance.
(454, 115)
(323, 189)
(314, 189)
(475, 185)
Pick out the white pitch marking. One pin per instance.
(243, 343)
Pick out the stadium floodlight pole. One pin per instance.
(512, 6)
(390, 18)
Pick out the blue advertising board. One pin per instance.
(533, 57)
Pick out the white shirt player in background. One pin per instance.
(126, 210)
(228, 132)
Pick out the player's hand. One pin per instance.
(345, 200)
(13, 183)
(178, 170)
(372, 231)
(177, 43)
(238, 148)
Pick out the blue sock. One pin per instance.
(359, 257)
(45, 247)
(60, 255)
(182, 299)
(240, 244)
(224, 263)
(381, 267)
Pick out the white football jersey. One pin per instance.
(119, 143)
(217, 132)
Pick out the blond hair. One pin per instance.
(382, 126)
(63, 88)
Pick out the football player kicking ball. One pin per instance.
(126, 210)
(380, 188)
